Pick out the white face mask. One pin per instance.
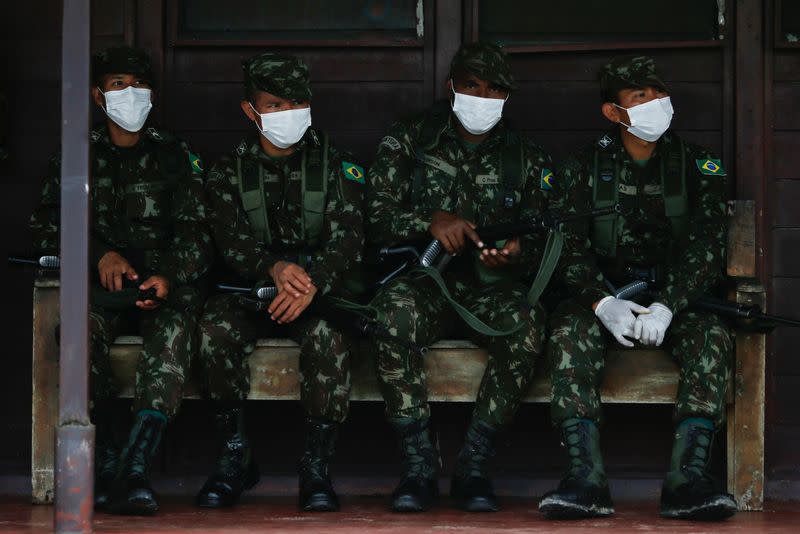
(129, 107)
(284, 128)
(477, 115)
(650, 120)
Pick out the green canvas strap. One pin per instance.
(512, 161)
(466, 315)
(314, 185)
(251, 190)
(605, 193)
(550, 257)
(673, 187)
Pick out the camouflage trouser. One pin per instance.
(415, 309)
(700, 342)
(228, 334)
(168, 343)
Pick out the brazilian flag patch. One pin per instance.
(197, 165)
(546, 183)
(710, 167)
(353, 172)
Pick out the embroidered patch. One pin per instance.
(487, 179)
(606, 176)
(390, 142)
(197, 165)
(710, 167)
(353, 172)
(546, 182)
(154, 134)
(605, 141)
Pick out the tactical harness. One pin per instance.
(605, 193)
(314, 191)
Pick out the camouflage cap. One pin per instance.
(628, 72)
(122, 60)
(278, 74)
(486, 61)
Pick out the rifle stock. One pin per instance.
(124, 299)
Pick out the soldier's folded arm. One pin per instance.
(698, 267)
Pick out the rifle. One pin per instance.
(749, 317)
(335, 310)
(434, 254)
(112, 300)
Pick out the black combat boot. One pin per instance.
(131, 493)
(106, 456)
(419, 487)
(583, 492)
(236, 468)
(689, 491)
(316, 490)
(471, 486)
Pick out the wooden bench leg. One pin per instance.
(748, 421)
(45, 392)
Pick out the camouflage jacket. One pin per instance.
(150, 215)
(341, 243)
(457, 180)
(691, 265)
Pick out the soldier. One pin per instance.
(440, 175)
(673, 194)
(146, 202)
(284, 207)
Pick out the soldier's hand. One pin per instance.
(493, 258)
(452, 231)
(618, 316)
(111, 268)
(285, 308)
(162, 290)
(291, 277)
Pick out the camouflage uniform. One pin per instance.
(467, 181)
(156, 229)
(228, 332)
(692, 265)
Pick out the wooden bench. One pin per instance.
(454, 371)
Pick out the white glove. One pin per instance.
(650, 329)
(618, 317)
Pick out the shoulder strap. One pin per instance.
(172, 161)
(314, 185)
(673, 186)
(251, 190)
(605, 193)
(512, 161)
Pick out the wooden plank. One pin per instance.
(785, 362)
(787, 105)
(786, 155)
(785, 213)
(326, 65)
(741, 239)
(454, 370)
(786, 66)
(786, 252)
(673, 65)
(750, 381)
(45, 391)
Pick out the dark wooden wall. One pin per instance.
(358, 92)
(782, 194)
